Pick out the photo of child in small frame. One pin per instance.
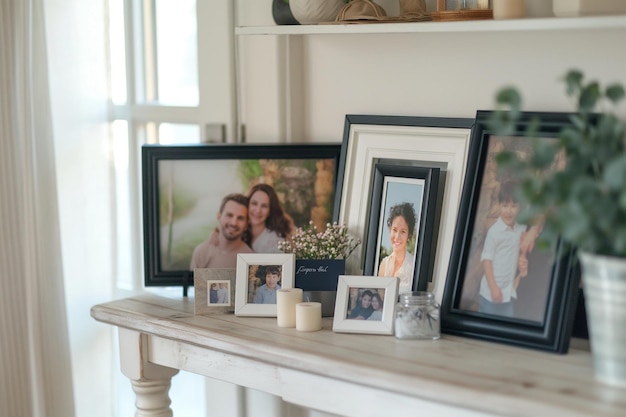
(264, 283)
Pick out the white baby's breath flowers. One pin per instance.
(308, 243)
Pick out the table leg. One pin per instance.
(151, 382)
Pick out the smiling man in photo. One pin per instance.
(233, 222)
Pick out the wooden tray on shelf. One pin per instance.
(454, 15)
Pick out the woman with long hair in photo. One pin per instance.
(377, 306)
(400, 263)
(268, 222)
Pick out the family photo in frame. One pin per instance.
(505, 282)
(204, 204)
(365, 304)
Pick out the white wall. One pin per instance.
(427, 74)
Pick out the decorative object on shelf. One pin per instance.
(508, 9)
(281, 12)
(181, 208)
(573, 8)
(417, 316)
(311, 12)
(501, 286)
(361, 11)
(453, 10)
(259, 277)
(214, 290)
(320, 259)
(334, 242)
(412, 8)
(402, 222)
(286, 300)
(308, 317)
(365, 304)
(604, 282)
(409, 141)
(366, 11)
(585, 203)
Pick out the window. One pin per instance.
(162, 83)
(158, 94)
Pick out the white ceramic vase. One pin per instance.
(310, 12)
(604, 286)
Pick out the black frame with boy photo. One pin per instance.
(506, 283)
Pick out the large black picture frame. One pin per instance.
(425, 201)
(229, 168)
(543, 313)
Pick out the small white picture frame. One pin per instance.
(355, 309)
(253, 294)
(222, 300)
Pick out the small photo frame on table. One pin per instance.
(365, 304)
(420, 142)
(214, 290)
(501, 286)
(401, 224)
(259, 277)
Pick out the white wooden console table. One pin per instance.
(349, 374)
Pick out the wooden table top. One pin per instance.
(467, 373)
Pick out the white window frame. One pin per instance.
(217, 108)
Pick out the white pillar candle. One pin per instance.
(286, 300)
(308, 317)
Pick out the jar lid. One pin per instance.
(416, 297)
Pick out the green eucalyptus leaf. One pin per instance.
(543, 156)
(533, 127)
(509, 96)
(615, 93)
(573, 81)
(615, 173)
(506, 158)
(589, 97)
(622, 200)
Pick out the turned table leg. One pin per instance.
(151, 382)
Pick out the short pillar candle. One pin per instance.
(308, 317)
(286, 300)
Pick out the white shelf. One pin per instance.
(528, 24)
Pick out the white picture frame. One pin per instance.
(203, 278)
(351, 290)
(248, 264)
(413, 141)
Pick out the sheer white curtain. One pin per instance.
(35, 377)
(77, 65)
